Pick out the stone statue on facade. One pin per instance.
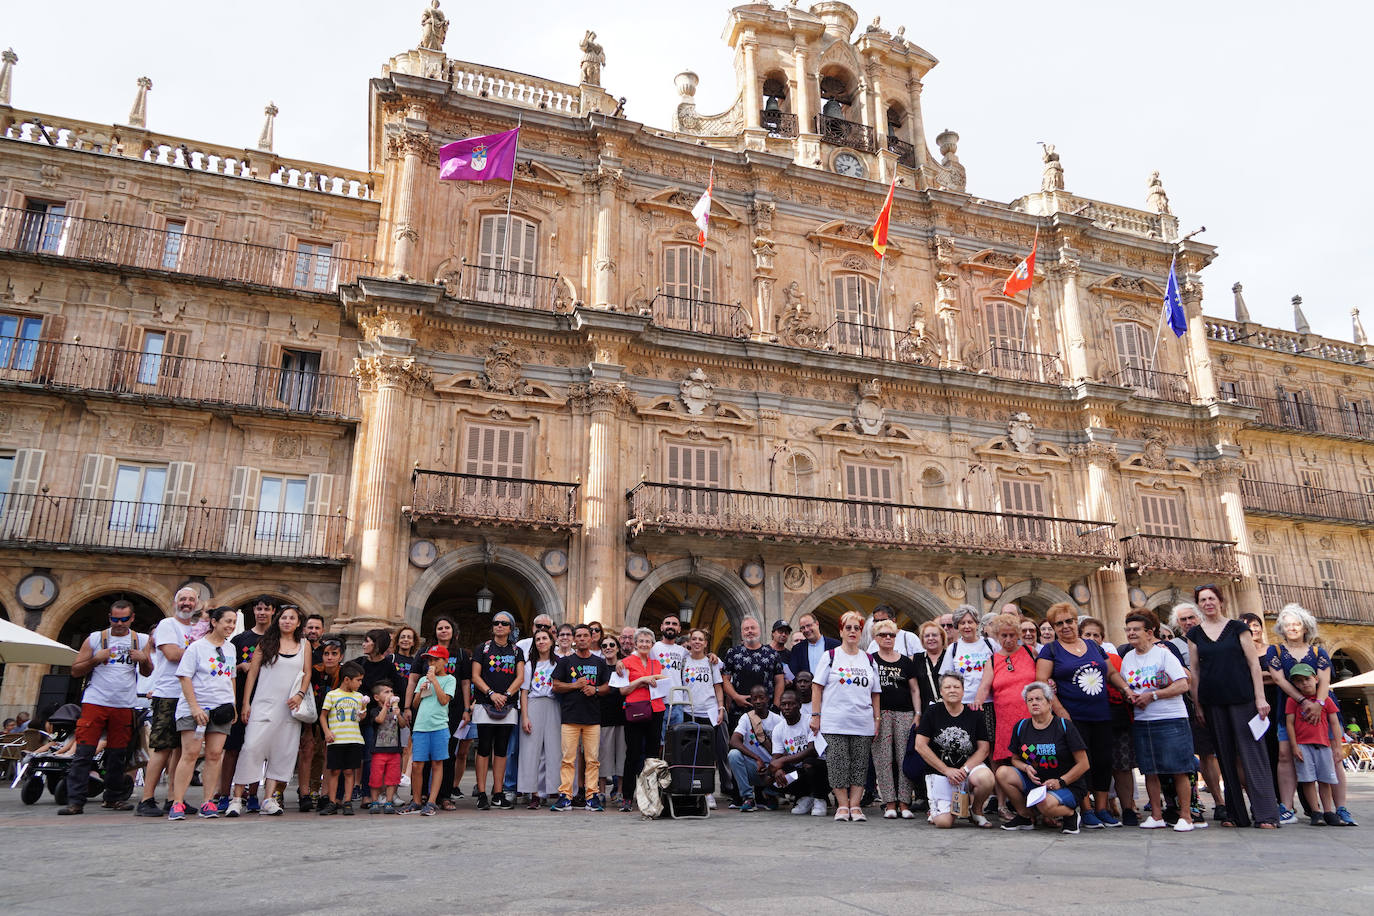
(593, 59)
(1052, 179)
(433, 28)
(1155, 198)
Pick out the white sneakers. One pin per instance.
(818, 807)
(1152, 823)
(1182, 826)
(271, 806)
(235, 807)
(804, 805)
(405, 780)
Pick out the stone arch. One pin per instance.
(1166, 597)
(737, 599)
(1040, 591)
(547, 599)
(892, 587)
(1359, 653)
(78, 594)
(236, 596)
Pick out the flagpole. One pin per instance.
(1159, 325)
(1030, 290)
(701, 254)
(510, 193)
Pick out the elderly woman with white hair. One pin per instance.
(969, 654)
(643, 710)
(1297, 632)
(1047, 753)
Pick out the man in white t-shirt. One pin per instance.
(170, 638)
(671, 656)
(113, 658)
(907, 643)
(751, 749)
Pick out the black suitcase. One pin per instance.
(690, 751)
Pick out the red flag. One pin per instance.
(1023, 274)
(880, 227)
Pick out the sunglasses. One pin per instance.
(887, 635)
(610, 645)
(500, 623)
(1009, 665)
(1205, 588)
(219, 654)
(543, 626)
(852, 628)
(124, 619)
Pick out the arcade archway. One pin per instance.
(863, 592)
(1034, 597)
(450, 587)
(716, 598)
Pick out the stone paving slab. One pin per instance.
(757, 864)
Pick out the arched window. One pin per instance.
(798, 476)
(933, 488)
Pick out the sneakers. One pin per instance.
(803, 805)
(271, 807)
(177, 812)
(563, 804)
(503, 801)
(347, 809)
(1019, 822)
(221, 804)
(72, 809)
(235, 808)
(1318, 820)
(711, 803)
(1346, 819)
(1154, 823)
(328, 807)
(148, 808)
(1088, 820)
(1332, 819)
(306, 804)
(535, 802)
(818, 807)
(389, 808)
(428, 810)
(595, 803)
(376, 808)
(357, 794)
(768, 803)
(254, 806)
(1107, 819)
(209, 810)
(626, 805)
(1070, 823)
(1182, 826)
(748, 806)
(1129, 818)
(483, 803)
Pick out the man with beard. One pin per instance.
(170, 638)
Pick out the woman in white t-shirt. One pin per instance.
(541, 744)
(704, 682)
(845, 695)
(1162, 732)
(206, 672)
(969, 654)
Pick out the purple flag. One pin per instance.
(480, 158)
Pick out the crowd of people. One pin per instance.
(995, 719)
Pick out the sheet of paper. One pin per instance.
(789, 778)
(1258, 726)
(1036, 796)
(819, 743)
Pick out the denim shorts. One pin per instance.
(1067, 797)
(1164, 746)
(427, 746)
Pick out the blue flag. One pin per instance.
(1173, 305)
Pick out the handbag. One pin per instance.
(495, 714)
(913, 764)
(306, 712)
(639, 710)
(222, 714)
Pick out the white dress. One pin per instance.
(272, 736)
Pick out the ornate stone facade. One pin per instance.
(593, 416)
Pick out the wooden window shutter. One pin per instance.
(97, 481)
(176, 505)
(19, 502)
(243, 502)
(317, 529)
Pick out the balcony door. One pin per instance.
(300, 379)
(495, 452)
(505, 274)
(1022, 497)
(867, 484)
(689, 275)
(1160, 516)
(19, 336)
(132, 504)
(1134, 354)
(700, 467)
(856, 314)
(1006, 327)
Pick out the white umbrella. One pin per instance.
(19, 646)
(1359, 680)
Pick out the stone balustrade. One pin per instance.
(514, 88)
(177, 152)
(1252, 335)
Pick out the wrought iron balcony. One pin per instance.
(311, 268)
(906, 153)
(509, 287)
(68, 523)
(1019, 365)
(679, 509)
(1192, 556)
(481, 499)
(55, 366)
(1334, 605)
(717, 319)
(868, 340)
(778, 123)
(839, 132)
(1266, 497)
(1150, 383)
(1301, 414)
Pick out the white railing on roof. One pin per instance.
(516, 88)
(1222, 329)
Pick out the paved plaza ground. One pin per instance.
(760, 863)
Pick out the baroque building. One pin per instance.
(382, 397)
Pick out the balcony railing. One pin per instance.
(1193, 556)
(675, 508)
(1150, 383)
(869, 340)
(718, 319)
(1317, 503)
(311, 269)
(509, 287)
(1302, 415)
(906, 153)
(166, 529)
(1019, 365)
(481, 499)
(55, 366)
(839, 132)
(778, 123)
(1334, 605)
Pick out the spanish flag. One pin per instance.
(1024, 273)
(880, 227)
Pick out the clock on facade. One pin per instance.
(849, 164)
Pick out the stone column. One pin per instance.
(1199, 364)
(605, 182)
(918, 127)
(7, 61)
(415, 149)
(388, 377)
(752, 93)
(1074, 346)
(1221, 476)
(805, 101)
(1113, 600)
(606, 405)
(1111, 595)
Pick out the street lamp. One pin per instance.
(484, 598)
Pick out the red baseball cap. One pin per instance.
(437, 652)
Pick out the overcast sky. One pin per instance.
(1256, 113)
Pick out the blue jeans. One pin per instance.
(512, 760)
(745, 768)
(672, 715)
